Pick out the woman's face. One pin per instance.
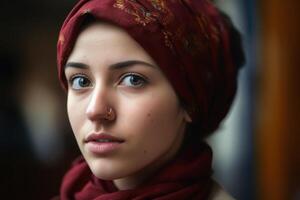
(108, 69)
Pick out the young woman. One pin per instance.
(147, 81)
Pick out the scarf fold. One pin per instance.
(186, 177)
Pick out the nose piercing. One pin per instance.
(110, 114)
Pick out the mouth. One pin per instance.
(103, 140)
(102, 144)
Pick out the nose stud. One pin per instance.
(110, 114)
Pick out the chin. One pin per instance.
(106, 172)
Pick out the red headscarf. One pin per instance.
(190, 40)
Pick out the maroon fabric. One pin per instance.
(187, 38)
(187, 177)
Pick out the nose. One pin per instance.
(99, 107)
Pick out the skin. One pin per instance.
(147, 112)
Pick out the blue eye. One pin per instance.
(133, 80)
(79, 82)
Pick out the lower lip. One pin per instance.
(102, 148)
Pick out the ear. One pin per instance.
(187, 117)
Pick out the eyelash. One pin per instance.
(139, 76)
(78, 75)
(123, 77)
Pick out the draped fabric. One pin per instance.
(190, 40)
(187, 177)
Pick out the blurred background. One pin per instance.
(256, 153)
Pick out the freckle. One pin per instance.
(145, 151)
(149, 115)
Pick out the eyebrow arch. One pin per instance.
(129, 63)
(76, 65)
(114, 66)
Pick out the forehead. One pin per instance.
(101, 31)
(107, 41)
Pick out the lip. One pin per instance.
(102, 143)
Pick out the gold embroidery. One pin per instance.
(160, 12)
(143, 16)
(160, 5)
(133, 8)
(168, 43)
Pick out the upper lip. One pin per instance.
(103, 136)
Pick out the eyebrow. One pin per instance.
(115, 66)
(76, 65)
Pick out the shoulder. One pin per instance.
(218, 193)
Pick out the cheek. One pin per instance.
(75, 113)
(155, 113)
(152, 126)
(162, 109)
